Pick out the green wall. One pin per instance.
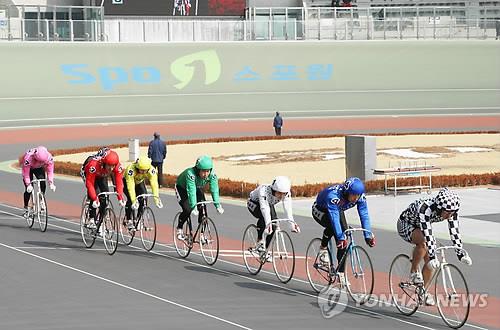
(91, 79)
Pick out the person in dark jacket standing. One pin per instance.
(278, 123)
(157, 152)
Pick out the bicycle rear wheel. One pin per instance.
(249, 249)
(182, 246)
(43, 213)
(147, 225)
(30, 218)
(403, 292)
(452, 295)
(283, 256)
(88, 234)
(110, 231)
(359, 272)
(318, 273)
(209, 241)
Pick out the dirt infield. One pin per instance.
(321, 159)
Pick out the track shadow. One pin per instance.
(135, 252)
(53, 244)
(207, 270)
(265, 287)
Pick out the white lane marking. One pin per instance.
(242, 113)
(160, 121)
(121, 285)
(251, 93)
(254, 279)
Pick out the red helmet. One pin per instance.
(111, 158)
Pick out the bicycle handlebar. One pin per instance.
(450, 247)
(144, 196)
(282, 220)
(350, 229)
(38, 180)
(107, 193)
(205, 203)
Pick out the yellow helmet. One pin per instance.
(143, 163)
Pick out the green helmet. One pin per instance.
(204, 163)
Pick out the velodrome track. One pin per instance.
(50, 281)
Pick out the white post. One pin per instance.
(133, 149)
(71, 31)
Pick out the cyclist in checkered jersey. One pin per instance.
(414, 226)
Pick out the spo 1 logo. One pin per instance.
(182, 69)
(109, 77)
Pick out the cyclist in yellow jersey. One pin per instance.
(134, 181)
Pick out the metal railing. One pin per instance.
(304, 13)
(348, 28)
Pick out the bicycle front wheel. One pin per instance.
(182, 246)
(359, 272)
(30, 218)
(209, 241)
(43, 213)
(283, 256)
(249, 249)
(452, 295)
(403, 292)
(126, 235)
(88, 235)
(318, 273)
(110, 231)
(147, 225)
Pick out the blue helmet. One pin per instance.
(354, 186)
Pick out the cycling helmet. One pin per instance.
(204, 163)
(41, 154)
(110, 158)
(143, 163)
(354, 186)
(447, 200)
(281, 184)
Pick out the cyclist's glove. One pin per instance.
(29, 189)
(434, 263)
(342, 244)
(370, 241)
(158, 203)
(466, 260)
(195, 212)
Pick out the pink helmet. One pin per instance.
(41, 154)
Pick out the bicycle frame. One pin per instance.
(350, 237)
(137, 214)
(440, 253)
(34, 194)
(203, 214)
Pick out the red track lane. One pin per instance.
(255, 127)
(486, 316)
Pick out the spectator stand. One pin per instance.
(407, 169)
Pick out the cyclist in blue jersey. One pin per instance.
(328, 211)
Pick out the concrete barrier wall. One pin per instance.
(73, 79)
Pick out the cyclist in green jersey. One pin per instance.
(189, 190)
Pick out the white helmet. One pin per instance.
(281, 184)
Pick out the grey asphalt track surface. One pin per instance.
(50, 281)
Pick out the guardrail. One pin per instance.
(340, 28)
